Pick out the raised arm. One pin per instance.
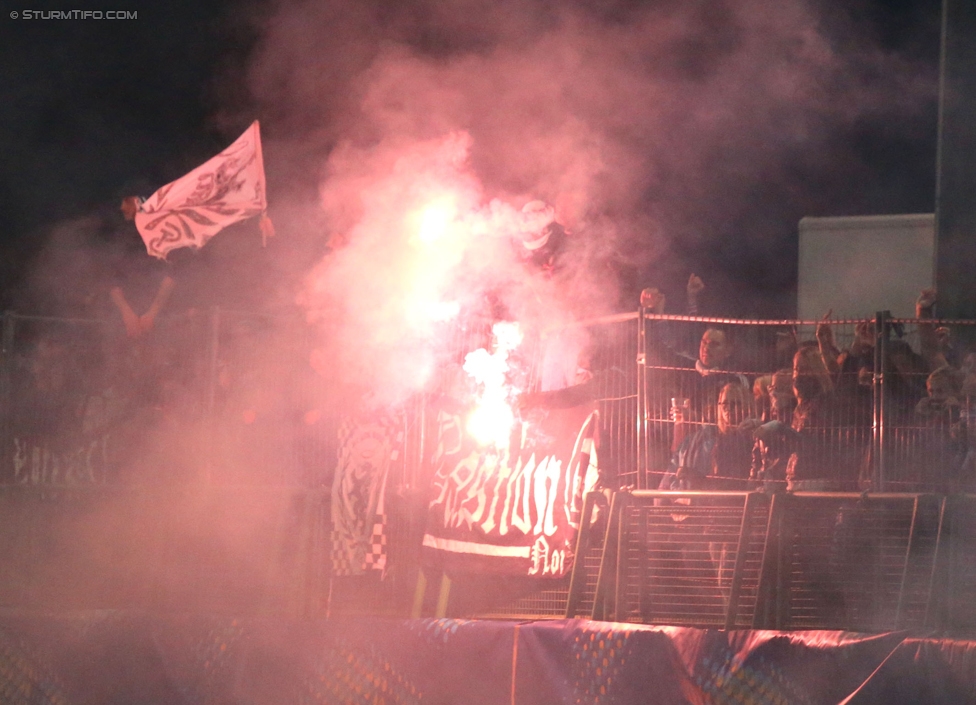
(829, 352)
(925, 312)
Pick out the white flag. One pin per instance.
(194, 208)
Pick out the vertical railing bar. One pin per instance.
(642, 431)
(615, 613)
(577, 578)
(607, 560)
(731, 612)
(936, 562)
(766, 589)
(644, 595)
(880, 396)
(783, 557)
(908, 556)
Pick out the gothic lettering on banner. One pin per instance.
(512, 510)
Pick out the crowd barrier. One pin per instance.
(81, 404)
(734, 560)
(682, 558)
(88, 418)
(879, 427)
(753, 560)
(852, 561)
(221, 397)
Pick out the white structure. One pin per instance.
(859, 265)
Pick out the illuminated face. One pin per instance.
(808, 373)
(733, 406)
(714, 348)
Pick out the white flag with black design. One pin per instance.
(191, 210)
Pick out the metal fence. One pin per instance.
(225, 400)
(786, 561)
(683, 558)
(224, 397)
(885, 411)
(80, 403)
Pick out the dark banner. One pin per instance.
(512, 510)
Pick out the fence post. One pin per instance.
(878, 441)
(6, 393)
(642, 450)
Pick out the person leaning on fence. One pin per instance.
(942, 442)
(819, 459)
(716, 456)
(855, 378)
(716, 355)
(771, 450)
(673, 376)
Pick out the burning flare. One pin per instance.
(492, 419)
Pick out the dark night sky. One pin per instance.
(92, 111)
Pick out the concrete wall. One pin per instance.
(858, 265)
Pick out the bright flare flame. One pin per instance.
(492, 419)
(436, 221)
(443, 310)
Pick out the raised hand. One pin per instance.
(695, 286)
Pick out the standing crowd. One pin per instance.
(809, 422)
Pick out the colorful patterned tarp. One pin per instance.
(130, 657)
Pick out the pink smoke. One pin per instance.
(642, 125)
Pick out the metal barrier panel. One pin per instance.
(856, 562)
(683, 558)
(927, 408)
(680, 396)
(590, 547)
(607, 350)
(226, 396)
(60, 425)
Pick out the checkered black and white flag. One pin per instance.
(368, 448)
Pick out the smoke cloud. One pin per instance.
(650, 127)
(403, 142)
